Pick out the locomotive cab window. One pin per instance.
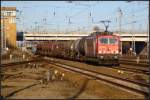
(104, 40)
(112, 41)
(108, 40)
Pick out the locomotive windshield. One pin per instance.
(108, 40)
(112, 41)
(104, 40)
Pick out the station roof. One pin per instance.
(8, 8)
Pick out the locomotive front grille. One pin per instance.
(108, 57)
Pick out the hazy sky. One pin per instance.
(78, 15)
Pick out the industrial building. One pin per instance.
(8, 27)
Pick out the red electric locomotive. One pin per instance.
(100, 47)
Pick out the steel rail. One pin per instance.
(139, 71)
(125, 83)
(128, 62)
(16, 63)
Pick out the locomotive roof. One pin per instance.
(94, 34)
(101, 33)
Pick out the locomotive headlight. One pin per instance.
(100, 51)
(71, 46)
(101, 57)
(115, 57)
(117, 51)
(104, 51)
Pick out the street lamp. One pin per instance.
(148, 37)
(133, 39)
(57, 34)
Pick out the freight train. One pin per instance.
(99, 47)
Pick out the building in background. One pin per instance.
(8, 27)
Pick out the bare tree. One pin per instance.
(96, 28)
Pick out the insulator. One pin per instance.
(90, 14)
(69, 21)
(54, 13)
(92, 20)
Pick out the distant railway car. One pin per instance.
(55, 49)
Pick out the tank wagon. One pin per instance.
(59, 49)
(99, 47)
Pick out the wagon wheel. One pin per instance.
(82, 58)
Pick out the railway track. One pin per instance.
(130, 69)
(137, 70)
(17, 63)
(124, 83)
(19, 75)
(142, 68)
(130, 62)
(21, 89)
